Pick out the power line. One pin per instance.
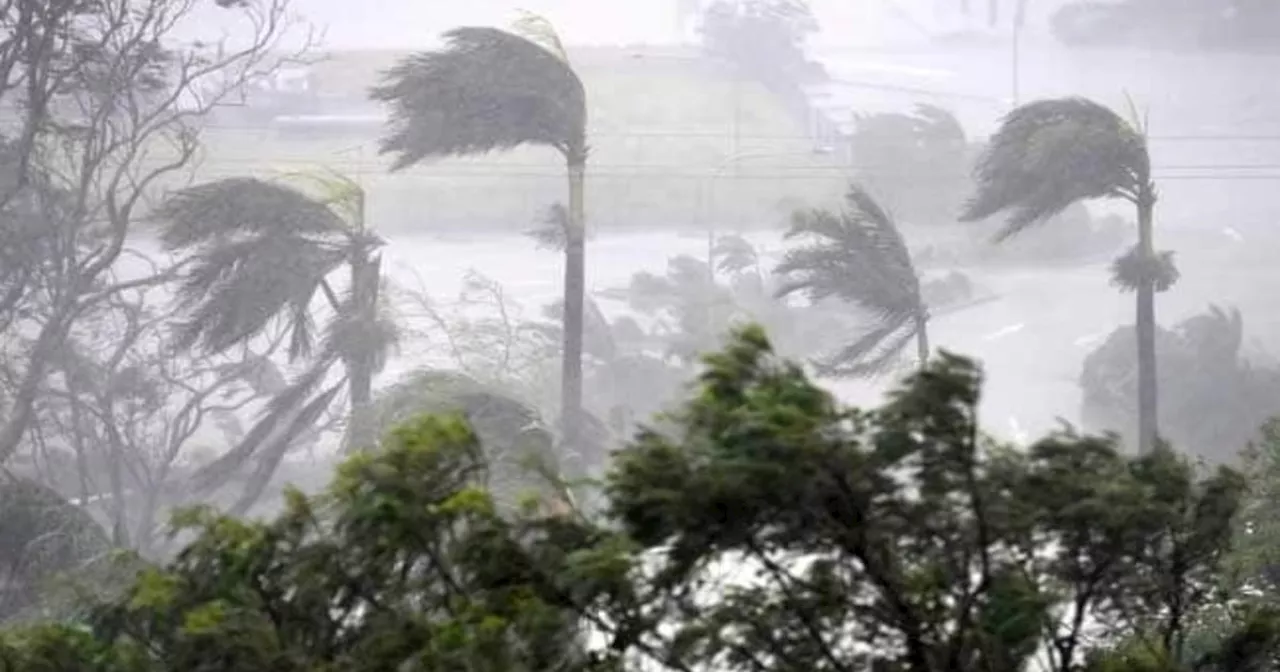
(372, 144)
(493, 169)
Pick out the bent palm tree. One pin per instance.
(487, 90)
(1050, 154)
(262, 252)
(859, 256)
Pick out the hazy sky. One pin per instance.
(415, 23)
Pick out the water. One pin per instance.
(1031, 341)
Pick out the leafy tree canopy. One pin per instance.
(895, 539)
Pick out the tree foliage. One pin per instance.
(1049, 154)
(859, 257)
(767, 527)
(917, 162)
(487, 90)
(1214, 399)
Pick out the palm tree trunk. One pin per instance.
(366, 272)
(922, 340)
(1146, 331)
(574, 297)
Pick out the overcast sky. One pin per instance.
(416, 23)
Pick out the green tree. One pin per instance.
(489, 90)
(897, 539)
(859, 256)
(900, 538)
(1050, 154)
(403, 563)
(260, 253)
(518, 446)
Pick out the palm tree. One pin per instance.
(859, 256)
(1050, 154)
(260, 253)
(487, 90)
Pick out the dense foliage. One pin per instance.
(770, 528)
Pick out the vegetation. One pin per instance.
(860, 257)
(898, 538)
(765, 40)
(1215, 399)
(917, 163)
(729, 514)
(489, 90)
(1050, 154)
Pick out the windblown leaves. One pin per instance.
(487, 90)
(860, 257)
(1050, 154)
(260, 251)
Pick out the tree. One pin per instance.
(403, 563)
(1214, 398)
(518, 447)
(110, 108)
(260, 253)
(859, 257)
(488, 90)
(901, 538)
(124, 409)
(1052, 153)
(765, 40)
(896, 538)
(918, 163)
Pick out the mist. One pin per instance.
(244, 241)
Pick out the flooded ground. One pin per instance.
(1031, 341)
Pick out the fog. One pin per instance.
(218, 280)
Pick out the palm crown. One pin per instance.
(1051, 153)
(488, 90)
(858, 256)
(260, 253)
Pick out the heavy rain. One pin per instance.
(496, 335)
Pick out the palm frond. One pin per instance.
(336, 191)
(486, 90)
(269, 455)
(215, 210)
(735, 254)
(537, 29)
(233, 292)
(860, 257)
(873, 353)
(351, 335)
(275, 419)
(857, 256)
(1051, 153)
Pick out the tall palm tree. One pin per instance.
(859, 256)
(487, 90)
(1050, 154)
(261, 253)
